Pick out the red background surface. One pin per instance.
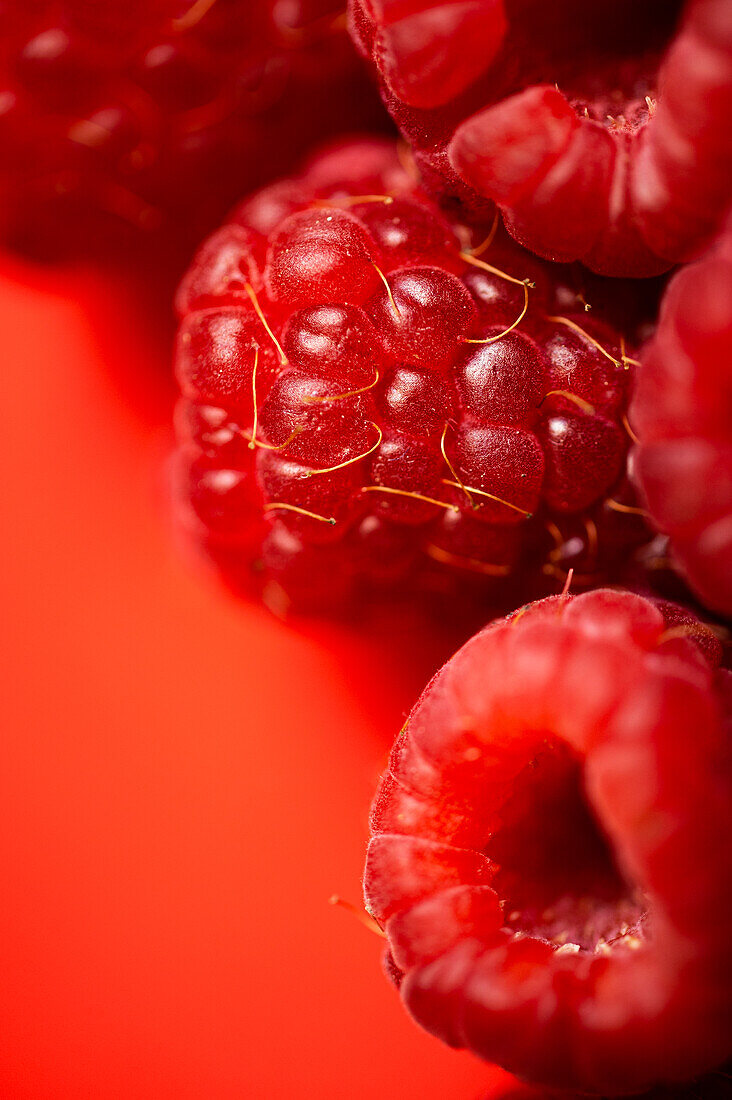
(184, 780)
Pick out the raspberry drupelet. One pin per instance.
(601, 130)
(133, 114)
(682, 414)
(369, 402)
(550, 855)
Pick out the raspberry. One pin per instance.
(550, 853)
(600, 132)
(362, 395)
(145, 114)
(682, 413)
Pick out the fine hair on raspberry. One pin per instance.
(375, 396)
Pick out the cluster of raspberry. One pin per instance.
(459, 369)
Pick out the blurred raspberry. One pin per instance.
(682, 414)
(601, 131)
(550, 853)
(713, 1086)
(160, 113)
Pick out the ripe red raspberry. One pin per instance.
(148, 111)
(550, 853)
(600, 131)
(682, 413)
(366, 401)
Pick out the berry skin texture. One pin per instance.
(146, 114)
(369, 398)
(599, 131)
(682, 415)
(549, 853)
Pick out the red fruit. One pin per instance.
(601, 132)
(145, 114)
(550, 853)
(682, 414)
(389, 392)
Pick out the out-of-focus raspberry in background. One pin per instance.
(185, 780)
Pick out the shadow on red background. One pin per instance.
(185, 780)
